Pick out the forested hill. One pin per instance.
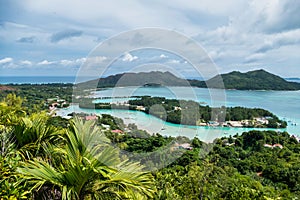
(254, 80)
(153, 78)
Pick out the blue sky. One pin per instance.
(51, 37)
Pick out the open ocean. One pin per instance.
(36, 79)
(63, 79)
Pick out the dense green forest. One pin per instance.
(44, 157)
(252, 80)
(136, 79)
(190, 112)
(35, 95)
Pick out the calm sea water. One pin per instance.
(285, 104)
(36, 79)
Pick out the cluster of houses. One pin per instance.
(244, 123)
(94, 117)
(186, 146)
(56, 102)
(226, 143)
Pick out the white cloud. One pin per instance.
(128, 57)
(66, 62)
(174, 61)
(93, 60)
(254, 57)
(278, 40)
(80, 61)
(26, 62)
(242, 31)
(163, 56)
(46, 62)
(6, 60)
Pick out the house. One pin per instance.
(106, 126)
(235, 123)
(202, 124)
(268, 145)
(229, 144)
(186, 146)
(91, 117)
(261, 120)
(177, 108)
(273, 146)
(259, 174)
(117, 131)
(141, 108)
(278, 145)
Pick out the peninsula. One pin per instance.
(192, 113)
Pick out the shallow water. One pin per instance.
(285, 104)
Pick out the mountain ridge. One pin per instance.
(251, 80)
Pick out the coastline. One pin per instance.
(155, 125)
(174, 111)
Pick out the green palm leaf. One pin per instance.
(88, 168)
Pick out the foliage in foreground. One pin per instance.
(54, 159)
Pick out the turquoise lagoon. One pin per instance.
(285, 104)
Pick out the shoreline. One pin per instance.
(174, 112)
(155, 125)
(189, 125)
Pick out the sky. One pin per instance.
(55, 38)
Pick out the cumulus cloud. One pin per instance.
(26, 62)
(129, 58)
(163, 56)
(6, 60)
(173, 61)
(254, 57)
(234, 32)
(276, 41)
(46, 62)
(62, 35)
(278, 16)
(75, 62)
(26, 39)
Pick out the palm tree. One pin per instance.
(33, 136)
(87, 167)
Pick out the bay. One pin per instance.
(285, 104)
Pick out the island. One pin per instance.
(252, 80)
(192, 113)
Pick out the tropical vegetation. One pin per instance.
(47, 157)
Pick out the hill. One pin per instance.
(153, 78)
(253, 80)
